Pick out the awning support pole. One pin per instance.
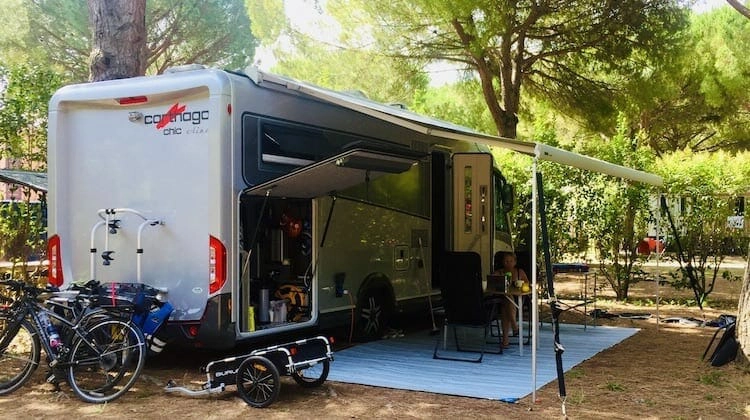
(554, 308)
(534, 294)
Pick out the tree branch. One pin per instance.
(744, 11)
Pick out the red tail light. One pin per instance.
(131, 100)
(217, 263)
(54, 270)
(193, 330)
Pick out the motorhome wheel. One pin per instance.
(374, 310)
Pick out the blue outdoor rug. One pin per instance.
(407, 363)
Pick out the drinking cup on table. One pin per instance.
(519, 284)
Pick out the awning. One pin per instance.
(335, 174)
(34, 180)
(442, 129)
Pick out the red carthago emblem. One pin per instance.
(173, 112)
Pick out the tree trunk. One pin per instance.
(743, 313)
(738, 6)
(118, 29)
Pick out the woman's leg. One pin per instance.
(509, 321)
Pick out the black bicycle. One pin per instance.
(99, 355)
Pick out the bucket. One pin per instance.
(251, 318)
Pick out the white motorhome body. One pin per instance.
(220, 188)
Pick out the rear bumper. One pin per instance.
(214, 331)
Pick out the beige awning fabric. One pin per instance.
(445, 130)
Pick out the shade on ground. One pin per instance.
(407, 363)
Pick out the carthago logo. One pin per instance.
(177, 113)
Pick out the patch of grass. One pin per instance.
(575, 373)
(708, 397)
(576, 397)
(714, 378)
(640, 302)
(615, 387)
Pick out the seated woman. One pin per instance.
(508, 309)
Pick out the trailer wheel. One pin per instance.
(374, 310)
(314, 376)
(258, 381)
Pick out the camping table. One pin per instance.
(518, 294)
(578, 268)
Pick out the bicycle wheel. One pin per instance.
(19, 355)
(106, 363)
(258, 381)
(313, 376)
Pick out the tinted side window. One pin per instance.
(408, 191)
(272, 148)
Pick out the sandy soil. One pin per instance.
(657, 373)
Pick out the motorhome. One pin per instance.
(260, 205)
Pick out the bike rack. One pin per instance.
(112, 224)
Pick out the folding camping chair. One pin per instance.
(465, 307)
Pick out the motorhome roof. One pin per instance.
(442, 129)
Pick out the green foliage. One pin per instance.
(616, 210)
(22, 231)
(568, 53)
(23, 140)
(320, 61)
(614, 387)
(575, 373)
(695, 97)
(707, 184)
(713, 378)
(57, 33)
(23, 114)
(212, 32)
(460, 103)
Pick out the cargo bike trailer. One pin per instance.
(257, 374)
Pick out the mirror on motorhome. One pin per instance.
(508, 197)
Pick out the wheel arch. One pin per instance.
(375, 281)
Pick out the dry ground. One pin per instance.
(657, 373)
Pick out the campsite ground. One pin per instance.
(657, 373)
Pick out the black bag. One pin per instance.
(726, 349)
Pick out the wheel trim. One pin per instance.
(371, 314)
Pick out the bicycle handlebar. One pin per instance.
(22, 286)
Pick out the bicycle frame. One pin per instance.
(57, 359)
(101, 355)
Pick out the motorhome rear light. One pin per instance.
(229, 109)
(193, 330)
(217, 258)
(54, 273)
(131, 100)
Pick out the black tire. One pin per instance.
(313, 376)
(374, 311)
(19, 355)
(258, 381)
(105, 371)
